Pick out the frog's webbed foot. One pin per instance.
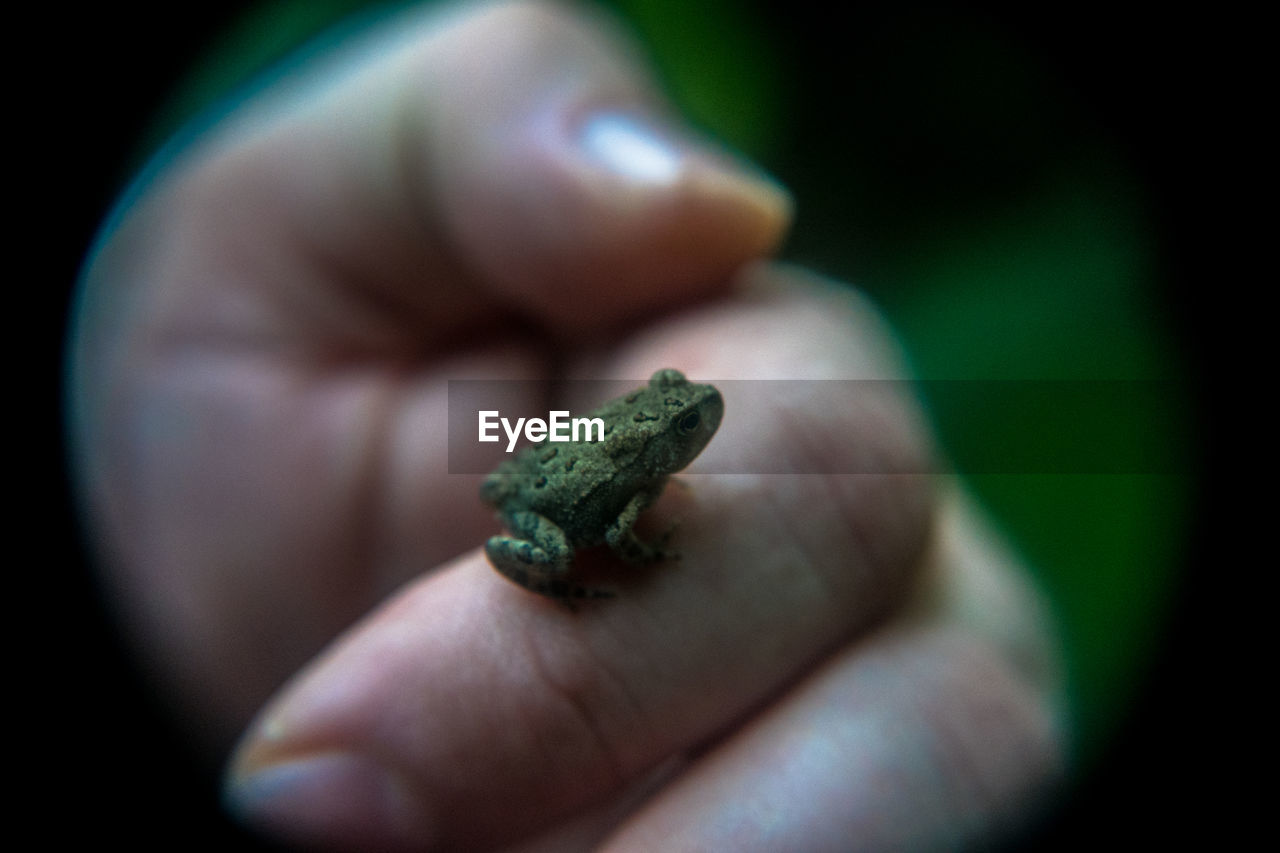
(537, 558)
(622, 539)
(630, 547)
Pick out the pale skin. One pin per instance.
(259, 369)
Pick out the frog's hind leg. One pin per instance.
(538, 557)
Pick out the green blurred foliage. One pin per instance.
(940, 165)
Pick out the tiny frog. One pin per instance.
(556, 497)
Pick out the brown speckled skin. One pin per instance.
(558, 497)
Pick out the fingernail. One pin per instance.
(630, 146)
(646, 151)
(339, 799)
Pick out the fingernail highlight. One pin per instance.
(630, 146)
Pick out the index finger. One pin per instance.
(468, 712)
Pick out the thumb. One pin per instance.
(564, 181)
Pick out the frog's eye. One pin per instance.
(688, 423)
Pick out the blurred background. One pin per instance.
(1011, 186)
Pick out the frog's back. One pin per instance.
(583, 486)
(552, 479)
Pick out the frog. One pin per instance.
(556, 498)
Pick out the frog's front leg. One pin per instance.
(622, 538)
(538, 557)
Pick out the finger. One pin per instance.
(915, 740)
(470, 712)
(570, 185)
(944, 731)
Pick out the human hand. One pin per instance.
(259, 379)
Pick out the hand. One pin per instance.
(259, 385)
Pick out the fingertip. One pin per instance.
(641, 153)
(662, 208)
(613, 213)
(566, 183)
(333, 800)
